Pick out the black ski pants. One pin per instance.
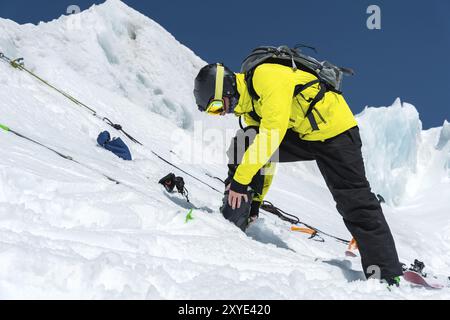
(341, 163)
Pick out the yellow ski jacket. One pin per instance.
(279, 111)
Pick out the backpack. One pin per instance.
(329, 76)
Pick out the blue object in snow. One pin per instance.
(116, 145)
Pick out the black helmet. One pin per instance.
(205, 85)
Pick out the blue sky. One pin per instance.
(407, 58)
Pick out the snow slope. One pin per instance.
(67, 232)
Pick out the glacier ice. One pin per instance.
(391, 137)
(444, 136)
(68, 233)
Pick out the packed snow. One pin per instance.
(67, 232)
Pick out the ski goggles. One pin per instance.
(217, 105)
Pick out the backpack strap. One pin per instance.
(253, 113)
(253, 95)
(302, 87)
(319, 96)
(323, 88)
(250, 88)
(298, 90)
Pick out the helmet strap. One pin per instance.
(218, 95)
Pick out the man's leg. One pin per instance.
(342, 166)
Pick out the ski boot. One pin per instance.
(391, 283)
(239, 216)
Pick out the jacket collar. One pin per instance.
(245, 101)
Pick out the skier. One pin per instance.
(280, 130)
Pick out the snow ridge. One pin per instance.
(67, 232)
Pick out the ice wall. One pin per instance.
(402, 160)
(391, 137)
